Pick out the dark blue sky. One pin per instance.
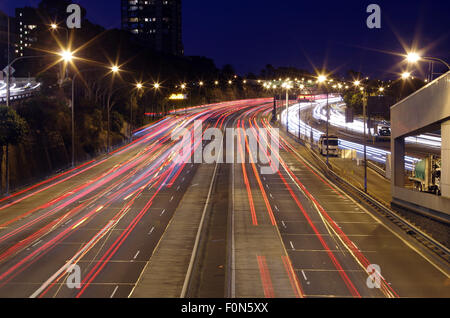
(252, 33)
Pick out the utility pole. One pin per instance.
(7, 102)
(365, 142)
(73, 119)
(274, 112)
(299, 121)
(287, 111)
(328, 136)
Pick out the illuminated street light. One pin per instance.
(381, 89)
(139, 86)
(322, 78)
(183, 86)
(66, 56)
(216, 83)
(54, 26)
(201, 83)
(115, 69)
(406, 75)
(357, 83)
(413, 57)
(156, 86)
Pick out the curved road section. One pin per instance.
(143, 221)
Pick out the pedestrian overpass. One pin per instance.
(426, 110)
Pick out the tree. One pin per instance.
(12, 130)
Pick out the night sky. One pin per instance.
(252, 33)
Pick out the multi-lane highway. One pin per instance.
(287, 233)
(18, 90)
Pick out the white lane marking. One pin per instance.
(36, 243)
(171, 199)
(276, 208)
(162, 213)
(178, 188)
(135, 256)
(151, 231)
(271, 195)
(68, 222)
(114, 292)
(292, 245)
(304, 275)
(267, 186)
(200, 227)
(284, 224)
(70, 262)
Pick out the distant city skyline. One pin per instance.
(334, 34)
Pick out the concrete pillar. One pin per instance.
(445, 154)
(398, 162)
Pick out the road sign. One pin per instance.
(11, 70)
(178, 97)
(349, 115)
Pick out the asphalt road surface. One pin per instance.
(303, 235)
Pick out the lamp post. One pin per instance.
(322, 80)
(365, 140)
(287, 86)
(414, 57)
(357, 84)
(55, 27)
(300, 116)
(139, 86)
(114, 70)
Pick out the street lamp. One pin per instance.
(414, 57)
(139, 86)
(357, 83)
(114, 69)
(287, 86)
(406, 75)
(54, 28)
(322, 80)
(66, 56)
